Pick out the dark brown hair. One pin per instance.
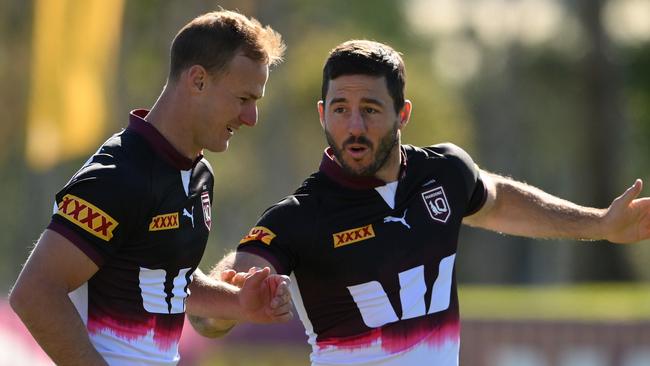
(367, 58)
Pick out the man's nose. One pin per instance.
(248, 115)
(356, 124)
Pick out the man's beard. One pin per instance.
(386, 145)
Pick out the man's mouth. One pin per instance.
(356, 151)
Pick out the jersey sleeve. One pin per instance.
(96, 210)
(470, 175)
(275, 235)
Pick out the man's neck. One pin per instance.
(166, 116)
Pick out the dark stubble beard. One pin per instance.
(386, 145)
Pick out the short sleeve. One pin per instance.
(275, 235)
(96, 211)
(470, 175)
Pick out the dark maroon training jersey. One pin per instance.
(372, 263)
(141, 211)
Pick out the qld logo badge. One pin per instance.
(207, 215)
(436, 202)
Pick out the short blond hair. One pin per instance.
(213, 39)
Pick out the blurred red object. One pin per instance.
(17, 347)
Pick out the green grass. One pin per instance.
(593, 302)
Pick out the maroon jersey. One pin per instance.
(372, 263)
(141, 211)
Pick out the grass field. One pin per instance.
(595, 302)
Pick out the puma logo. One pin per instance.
(191, 216)
(398, 219)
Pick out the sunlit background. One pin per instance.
(555, 93)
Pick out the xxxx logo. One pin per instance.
(259, 233)
(88, 217)
(164, 222)
(353, 236)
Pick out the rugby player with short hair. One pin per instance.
(370, 239)
(112, 276)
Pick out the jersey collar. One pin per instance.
(158, 142)
(334, 171)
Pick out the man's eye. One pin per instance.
(339, 110)
(370, 110)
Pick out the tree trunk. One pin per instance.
(604, 128)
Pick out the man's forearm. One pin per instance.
(226, 263)
(55, 324)
(521, 209)
(205, 325)
(210, 298)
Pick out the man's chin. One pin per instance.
(218, 148)
(357, 170)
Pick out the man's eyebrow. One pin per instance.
(338, 100)
(363, 100)
(373, 101)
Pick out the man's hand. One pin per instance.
(627, 220)
(236, 278)
(264, 297)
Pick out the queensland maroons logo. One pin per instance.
(207, 214)
(436, 202)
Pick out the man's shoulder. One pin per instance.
(299, 205)
(446, 153)
(294, 205)
(443, 150)
(202, 171)
(121, 161)
(204, 164)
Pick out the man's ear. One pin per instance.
(196, 78)
(321, 112)
(405, 114)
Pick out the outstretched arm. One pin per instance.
(262, 299)
(519, 209)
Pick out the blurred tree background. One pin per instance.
(554, 93)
